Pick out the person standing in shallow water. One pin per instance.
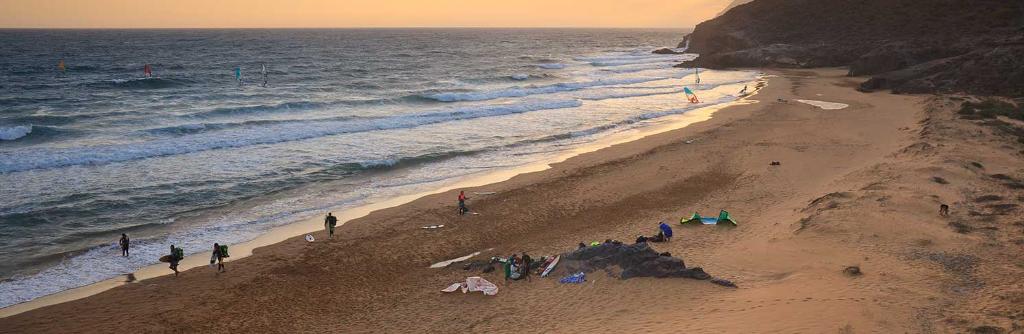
(329, 223)
(462, 203)
(124, 244)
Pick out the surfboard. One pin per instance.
(550, 267)
(309, 237)
(165, 258)
(432, 226)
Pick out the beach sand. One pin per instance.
(859, 186)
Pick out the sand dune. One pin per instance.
(858, 186)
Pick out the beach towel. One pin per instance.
(474, 284)
(576, 278)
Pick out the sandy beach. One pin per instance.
(858, 186)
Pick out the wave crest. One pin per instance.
(15, 132)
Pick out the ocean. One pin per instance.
(192, 156)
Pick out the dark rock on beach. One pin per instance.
(636, 260)
(665, 51)
(907, 46)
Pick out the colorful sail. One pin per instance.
(147, 71)
(690, 95)
(238, 74)
(60, 66)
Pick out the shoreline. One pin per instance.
(302, 227)
(843, 235)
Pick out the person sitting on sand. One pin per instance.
(666, 230)
(641, 239)
(329, 223)
(220, 257)
(462, 203)
(174, 261)
(124, 244)
(582, 246)
(511, 267)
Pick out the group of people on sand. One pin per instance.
(177, 254)
(217, 256)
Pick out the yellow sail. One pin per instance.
(60, 65)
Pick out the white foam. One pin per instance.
(551, 66)
(537, 90)
(36, 158)
(825, 105)
(15, 132)
(520, 76)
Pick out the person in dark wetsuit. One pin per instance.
(329, 223)
(124, 244)
(527, 263)
(220, 257)
(174, 261)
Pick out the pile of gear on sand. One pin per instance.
(615, 258)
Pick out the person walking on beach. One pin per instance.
(329, 223)
(175, 257)
(124, 244)
(218, 253)
(462, 203)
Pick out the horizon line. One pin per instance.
(352, 27)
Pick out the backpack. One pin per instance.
(224, 251)
(178, 253)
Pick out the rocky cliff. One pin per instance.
(911, 46)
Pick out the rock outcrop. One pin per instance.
(909, 46)
(666, 51)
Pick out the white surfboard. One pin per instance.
(550, 267)
(309, 237)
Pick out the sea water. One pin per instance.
(191, 156)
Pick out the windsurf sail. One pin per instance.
(238, 75)
(690, 95)
(147, 71)
(60, 66)
(263, 72)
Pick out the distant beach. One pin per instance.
(803, 224)
(352, 118)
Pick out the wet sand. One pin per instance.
(856, 187)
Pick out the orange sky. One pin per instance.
(354, 13)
